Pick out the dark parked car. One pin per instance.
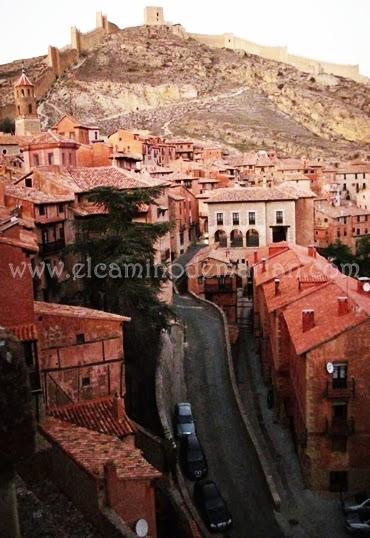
(184, 422)
(212, 506)
(192, 458)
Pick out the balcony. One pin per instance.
(218, 287)
(46, 248)
(343, 389)
(340, 426)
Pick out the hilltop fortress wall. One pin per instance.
(279, 54)
(59, 60)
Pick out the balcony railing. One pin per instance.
(340, 426)
(341, 389)
(52, 247)
(218, 288)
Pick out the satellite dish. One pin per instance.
(141, 528)
(366, 287)
(330, 367)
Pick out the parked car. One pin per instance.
(192, 458)
(358, 503)
(358, 524)
(184, 422)
(212, 506)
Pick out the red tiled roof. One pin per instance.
(36, 196)
(98, 415)
(53, 309)
(328, 324)
(23, 80)
(92, 450)
(49, 137)
(24, 332)
(252, 194)
(87, 178)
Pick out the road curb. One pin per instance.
(270, 482)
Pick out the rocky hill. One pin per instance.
(147, 77)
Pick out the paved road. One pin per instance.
(231, 457)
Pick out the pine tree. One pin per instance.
(128, 249)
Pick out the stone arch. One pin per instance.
(221, 237)
(236, 238)
(253, 238)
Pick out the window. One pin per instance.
(220, 218)
(50, 158)
(42, 210)
(187, 183)
(252, 217)
(63, 159)
(80, 338)
(96, 135)
(28, 182)
(339, 444)
(36, 159)
(340, 375)
(29, 109)
(338, 481)
(279, 217)
(60, 208)
(236, 219)
(85, 382)
(181, 238)
(70, 158)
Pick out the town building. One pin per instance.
(69, 127)
(183, 214)
(347, 224)
(318, 369)
(47, 149)
(256, 216)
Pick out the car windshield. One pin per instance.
(214, 505)
(195, 456)
(185, 419)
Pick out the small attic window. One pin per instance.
(28, 182)
(80, 338)
(85, 382)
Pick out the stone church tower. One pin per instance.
(27, 122)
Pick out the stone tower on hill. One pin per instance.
(27, 122)
(153, 16)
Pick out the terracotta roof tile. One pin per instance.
(252, 194)
(92, 450)
(98, 415)
(54, 309)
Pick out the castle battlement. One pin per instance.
(278, 54)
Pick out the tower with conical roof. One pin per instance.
(27, 122)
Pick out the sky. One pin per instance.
(329, 30)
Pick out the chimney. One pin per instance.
(308, 320)
(255, 256)
(111, 484)
(117, 408)
(312, 251)
(343, 306)
(263, 265)
(277, 286)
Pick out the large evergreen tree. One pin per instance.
(131, 287)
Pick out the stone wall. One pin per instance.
(280, 54)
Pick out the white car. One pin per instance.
(358, 503)
(357, 523)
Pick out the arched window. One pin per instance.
(236, 238)
(221, 237)
(253, 239)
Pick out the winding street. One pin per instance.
(232, 460)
